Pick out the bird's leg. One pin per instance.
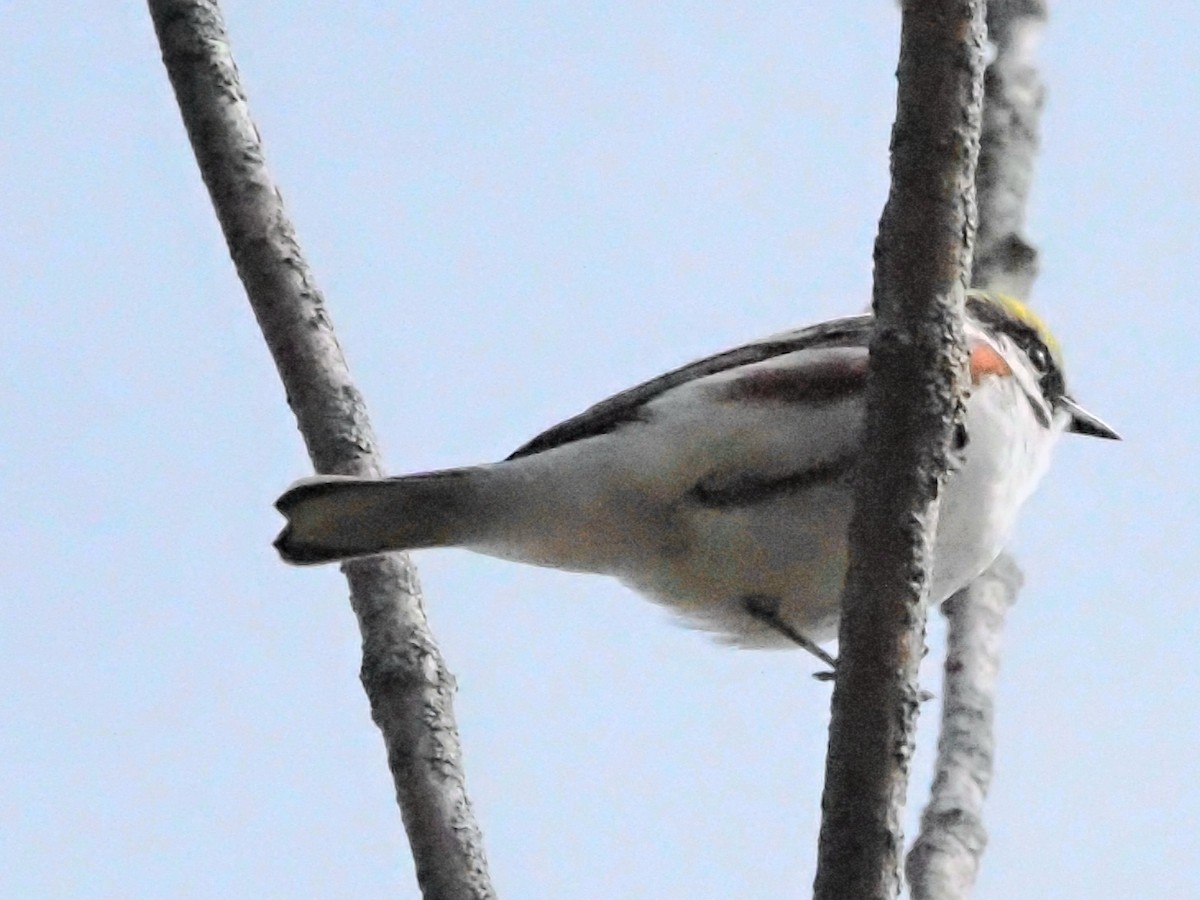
(766, 610)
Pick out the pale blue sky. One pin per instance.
(515, 210)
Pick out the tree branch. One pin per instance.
(405, 677)
(944, 860)
(1013, 95)
(914, 395)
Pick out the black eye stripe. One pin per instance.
(1025, 337)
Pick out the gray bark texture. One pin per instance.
(1013, 96)
(406, 680)
(945, 858)
(914, 395)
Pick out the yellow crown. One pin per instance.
(1022, 313)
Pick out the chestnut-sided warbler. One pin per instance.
(723, 489)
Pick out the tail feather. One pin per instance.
(333, 517)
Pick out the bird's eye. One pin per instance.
(1039, 357)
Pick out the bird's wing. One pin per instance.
(627, 406)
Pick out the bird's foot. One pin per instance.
(765, 609)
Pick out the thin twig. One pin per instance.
(914, 395)
(1013, 95)
(406, 680)
(945, 857)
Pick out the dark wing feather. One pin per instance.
(627, 406)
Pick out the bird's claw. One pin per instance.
(765, 609)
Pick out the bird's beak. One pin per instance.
(1083, 422)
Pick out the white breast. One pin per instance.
(1007, 455)
(624, 504)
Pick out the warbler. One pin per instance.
(723, 489)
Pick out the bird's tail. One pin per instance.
(333, 517)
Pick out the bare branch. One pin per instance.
(922, 255)
(1013, 97)
(406, 680)
(944, 860)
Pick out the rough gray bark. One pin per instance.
(1013, 96)
(409, 688)
(944, 860)
(914, 394)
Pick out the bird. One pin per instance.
(723, 489)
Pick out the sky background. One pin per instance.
(516, 210)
